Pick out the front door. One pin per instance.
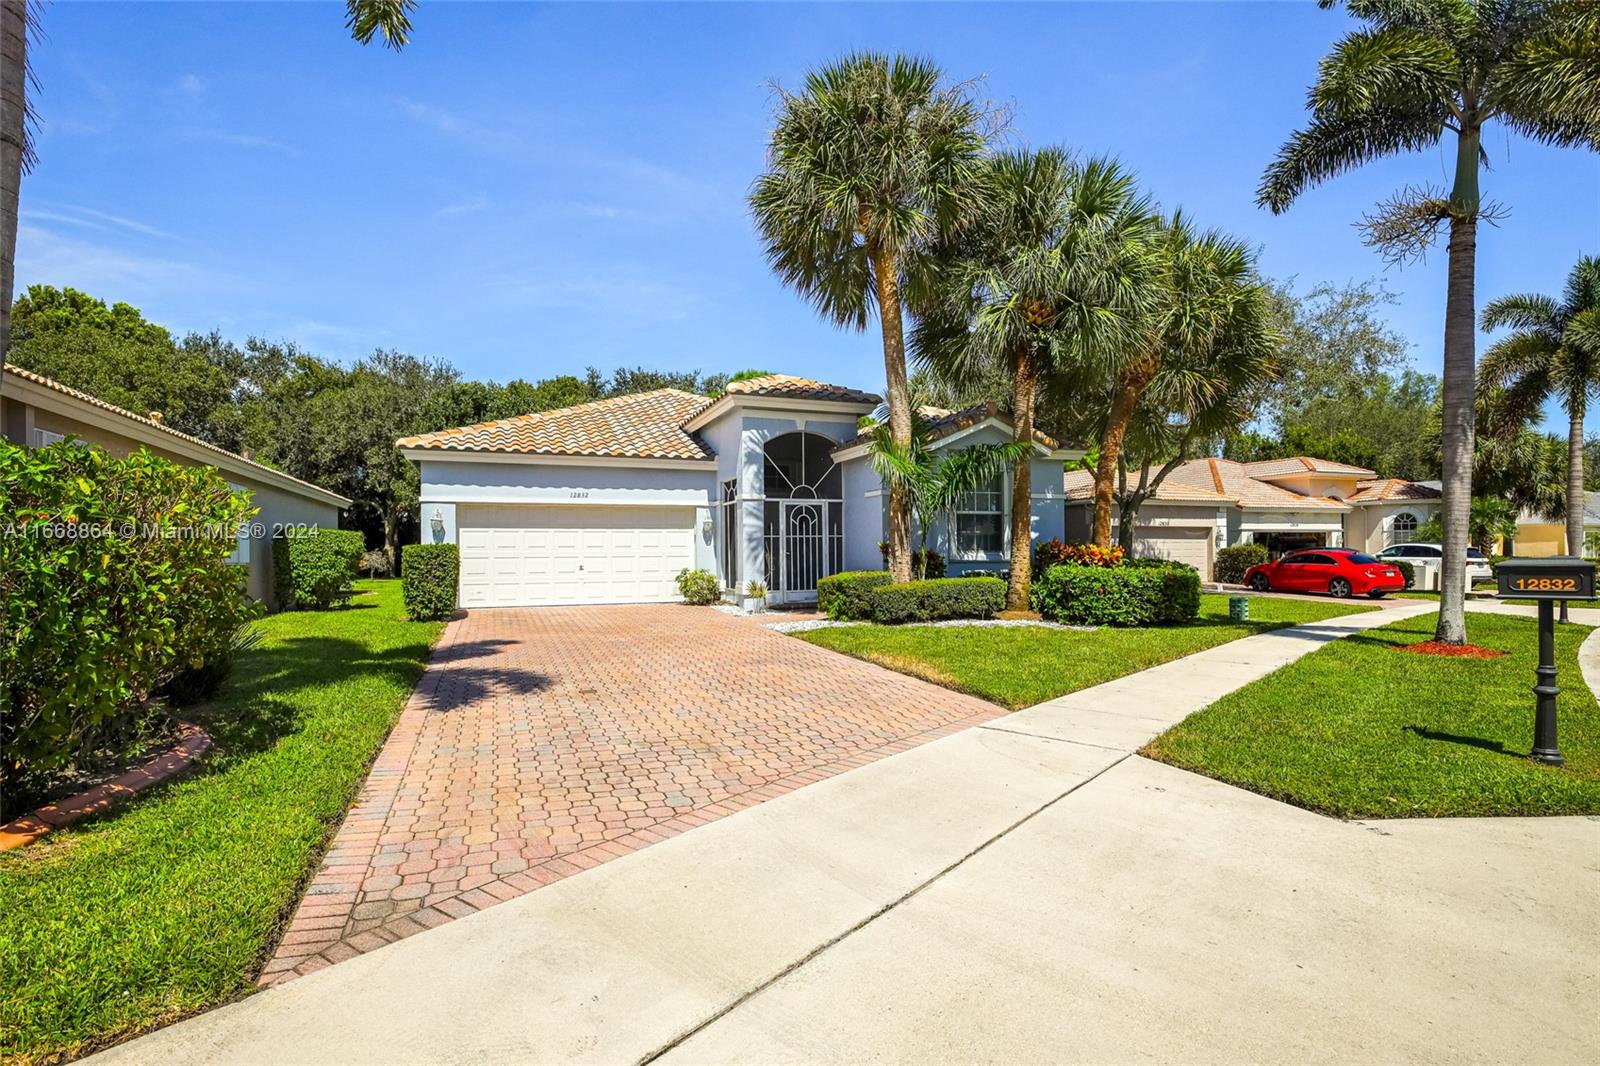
(804, 557)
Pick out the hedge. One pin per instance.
(1118, 596)
(314, 568)
(936, 599)
(843, 597)
(429, 579)
(114, 581)
(1407, 571)
(1233, 562)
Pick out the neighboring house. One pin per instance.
(1539, 536)
(35, 411)
(1285, 504)
(606, 502)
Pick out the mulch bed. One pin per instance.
(1453, 651)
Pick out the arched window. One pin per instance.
(1403, 529)
(800, 466)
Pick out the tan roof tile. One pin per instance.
(800, 389)
(1392, 488)
(1228, 478)
(646, 425)
(940, 423)
(1303, 464)
(1079, 485)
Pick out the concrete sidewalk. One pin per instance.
(1026, 889)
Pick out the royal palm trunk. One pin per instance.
(886, 266)
(1575, 545)
(1460, 374)
(13, 90)
(1025, 392)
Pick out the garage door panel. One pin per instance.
(1183, 545)
(532, 555)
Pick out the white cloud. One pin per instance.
(192, 85)
(46, 257)
(453, 125)
(87, 217)
(468, 206)
(235, 140)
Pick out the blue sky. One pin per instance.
(528, 189)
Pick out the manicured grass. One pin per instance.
(1359, 730)
(1020, 666)
(170, 905)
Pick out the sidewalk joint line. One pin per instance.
(910, 893)
(1056, 740)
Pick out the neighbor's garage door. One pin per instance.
(1192, 546)
(527, 556)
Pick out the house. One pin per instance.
(1285, 504)
(36, 410)
(1540, 536)
(606, 502)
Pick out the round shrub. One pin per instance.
(1407, 571)
(699, 588)
(429, 579)
(843, 597)
(1118, 596)
(1233, 562)
(312, 569)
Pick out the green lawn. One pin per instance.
(170, 905)
(1020, 666)
(1358, 729)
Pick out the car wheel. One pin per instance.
(1260, 583)
(1339, 588)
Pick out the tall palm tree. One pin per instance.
(365, 19)
(1420, 69)
(1050, 280)
(1210, 307)
(1553, 353)
(868, 164)
(935, 480)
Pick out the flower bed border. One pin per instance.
(192, 743)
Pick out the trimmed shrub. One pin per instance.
(114, 580)
(699, 588)
(936, 599)
(1118, 596)
(312, 569)
(1407, 571)
(1055, 553)
(843, 597)
(429, 580)
(1233, 562)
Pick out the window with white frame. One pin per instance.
(1403, 529)
(980, 520)
(44, 437)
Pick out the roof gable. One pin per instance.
(644, 425)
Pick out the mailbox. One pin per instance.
(1560, 577)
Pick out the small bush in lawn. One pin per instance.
(1233, 562)
(312, 569)
(429, 579)
(93, 619)
(1055, 552)
(843, 597)
(699, 588)
(375, 563)
(1118, 596)
(1407, 571)
(936, 599)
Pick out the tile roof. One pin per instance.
(797, 388)
(272, 473)
(1079, 485)
(1303, 464)
(1236, 480)
(645, 425)
(1381, 490)
(940, 423)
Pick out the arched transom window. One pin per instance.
(1404, 528)
(800, 466)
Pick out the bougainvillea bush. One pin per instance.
(114, 580)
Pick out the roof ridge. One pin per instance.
(1307, 463)
(568, 409)
(1216, 475)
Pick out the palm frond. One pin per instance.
(1390, 68)
(1523, 311)
(1331, 145)
(1548, 87)
(366, 19)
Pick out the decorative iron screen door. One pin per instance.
(805, 556)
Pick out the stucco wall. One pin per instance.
(1370, 527)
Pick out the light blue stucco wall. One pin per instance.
(865, 515)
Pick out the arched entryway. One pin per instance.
(802, 515)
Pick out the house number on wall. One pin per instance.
(580, 495)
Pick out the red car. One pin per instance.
(1337, 571)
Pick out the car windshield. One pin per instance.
(1474, 553)
(1360, 557)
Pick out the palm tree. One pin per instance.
(934, 481)
(365, 19)
(1050, 280)
(1418, 70)
(1210, 307)
(1553, 353)
(867, 165)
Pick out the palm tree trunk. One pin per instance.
(1460, 366)
(887, 270)
(1130, 385)
(1575, 480)
(1024, 395)
(13, 101)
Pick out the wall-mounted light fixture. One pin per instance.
(437, 522)
(705, 527)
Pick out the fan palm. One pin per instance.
(1050, 280)
(365, 19)
(1554, 352)
(1210, 310)
(934, 481)
(868, 164)
(1418, 70)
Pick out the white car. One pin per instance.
(1478, 568)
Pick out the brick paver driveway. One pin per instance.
(541, 742)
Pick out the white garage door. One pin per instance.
(529, 556)
(1192, 546)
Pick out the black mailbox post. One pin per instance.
(1561, 577)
